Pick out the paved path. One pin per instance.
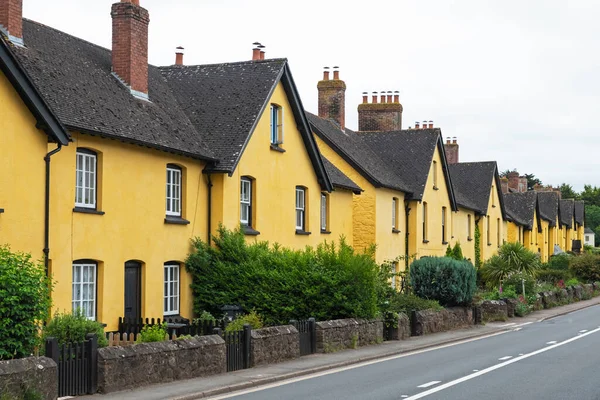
(226, 383)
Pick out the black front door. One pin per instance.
(133, 292)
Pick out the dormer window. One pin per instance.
(276, 125)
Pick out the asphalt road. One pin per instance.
(554, 359)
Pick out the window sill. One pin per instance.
(249, 231)
(436, 188)
(171, 219)
(444, 243)
(325, 232)
(1, 210)
(489, 244)
(84, 210)
(469, 239)
(275, 147)
(394, 230)
(425, 241)
(299, 232)
(493, 205)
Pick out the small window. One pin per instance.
(493, 197)
(394, 272)
(300, 208)
(489, 234)
(444, 225)
(324, 219)
(84, 289)
(498, 233)
(171, 292)
(424, 222)
(435, 175)
(276, 125)
(587, 238)
(394, 214)
(85, 179)
(469, 232)
(246, 201)
(173, 190)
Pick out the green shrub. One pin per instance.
(24, 303)
(586, 267)
(512, 258)
(253, 319)
(205, 317)
(73, 327)
(328, 282)
(449, 281)
(552, 275)
(516, 281)
(153, 333)
(401, 302)
(560, 261)
(455, 252)
(508, 292)
(572, 282)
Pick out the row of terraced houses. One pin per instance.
(110, 166)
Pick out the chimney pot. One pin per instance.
(374, 98)
(430, 124)
(336, 73)
(383, 97)
(424, 126)
(389, 97)
(417, 125)
(365, 97)
(179, 55)
(326, 73)
(396, 97)
(255, 54)
(262, 54)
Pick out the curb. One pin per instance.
(560, 314)
(309, 371)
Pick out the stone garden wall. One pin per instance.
(348, 334)
(428, 321)
(274, 344)
(35, 377)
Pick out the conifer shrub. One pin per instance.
(449, 281)
(330, 281)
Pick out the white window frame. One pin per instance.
(86, 169)
(276, 131)
(324, 201)
(171, 274)
(394, 222)
(444, 235)
(246, 201)
(173, 191)
(300, 208)
(83, 294)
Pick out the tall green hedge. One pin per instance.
(328, 282)
(24, 303)
(449, 281)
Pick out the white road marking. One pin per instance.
(425, 385)
(552, 342)
(510, 324)
(520, 354)
(404, 396)
(475, 370)
(504, 358)
(498, 366)
(517, 329)
(583, 331)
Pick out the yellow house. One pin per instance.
(580, 220)
(522, 215)
(548, 212)
(478, 191)
(156, 157)
(568, 228)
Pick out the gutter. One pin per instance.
(47, 209)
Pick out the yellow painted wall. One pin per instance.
(371, 212)
(497, 235)
(514, 233)
(543, 239)
(131, 186)
(435, 200)
(276, 175)
(460, 232)
(22, 174)
(531, 236)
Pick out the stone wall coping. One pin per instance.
(272, 331)
(116, 352)
(496, 302)
(21, 365)
(341, 323)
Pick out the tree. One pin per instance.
(591, 196)
(567, 191)
(532, 181)
(592, 220)
(504, 174)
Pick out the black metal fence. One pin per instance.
(237, 347)
(135, 325)
(77, 365)
(307, 331)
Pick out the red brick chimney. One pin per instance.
(11, 20)
(179, 55)
(417, 125)
(332, 97)
(130, 45)
(513, 181)
(384, 116)
(451, 149)
(504, 184)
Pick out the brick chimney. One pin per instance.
(504, 184)
(451, 148)
(11, 20)
(130, 46)
(513, 181)
(332, 97)
(179, 55)
(384, 116)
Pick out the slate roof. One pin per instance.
(339, 179)
(473, 184)
(548, 206)
(579, 212)
(567, 207)
(588, 230)
(74, 78)
(224, 101)
(520, 207)
(350, 146)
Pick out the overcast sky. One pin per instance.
(516, 81)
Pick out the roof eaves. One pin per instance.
(45, 117)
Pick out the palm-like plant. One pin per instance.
(512, 258)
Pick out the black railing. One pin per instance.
(77, 365)
(307, 331)
(135, 325)
(237, 347)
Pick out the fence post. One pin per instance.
(52, 349)
(92, 349)
(216, 331)
(247, 344)
(413, 323)
(312, 328)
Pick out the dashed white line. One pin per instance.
(475, 370)
(404, 396)
(583, 331)
(425, 385)
(505, 358)
(552, 342)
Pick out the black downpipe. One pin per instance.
(406, 238)
(210, 185)
(47, 209)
